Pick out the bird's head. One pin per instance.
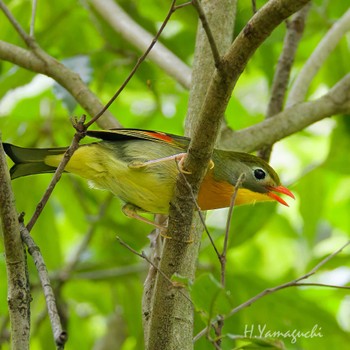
(260, 181)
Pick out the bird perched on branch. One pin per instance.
(139, 167)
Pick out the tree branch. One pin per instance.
(295, 28)
(292, 120)
(70, 80)
(172, 314)
(18, 294)
(80, 133)
(32, 20)
(202, 16)
(293, 283)
(120, 21)
(325, 47)
(21, 32)
(60, 336)
(223, 259)
(39, 61)
(146, 53)
(220, 16)
(178, 256)
(220, 88)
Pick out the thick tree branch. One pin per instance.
(325, 47)
(221, 26)
(120, 21)
(170, 325)
(292, 120)
(18, 295)
(70, 80)
(220, 88)
(217, 98)
(171, 312)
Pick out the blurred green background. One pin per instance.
(269, 244)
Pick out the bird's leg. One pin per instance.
(130, 211)
(180, 158)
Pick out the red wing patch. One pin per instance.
(160, 135)
(149, 135)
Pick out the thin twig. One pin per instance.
(254, 8)
(214, 49)
(293, 283)
(220, 320)
(80, 133)
(228, 225)
(32, 21)
(323, 262)
(313, 284)
(22, 33)
(185, 4)
(59, 334)
(138, 63)
(145, 257)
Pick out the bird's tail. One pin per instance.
(29, 161)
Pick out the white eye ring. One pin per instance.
(259, 174)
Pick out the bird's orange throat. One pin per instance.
(215, 194)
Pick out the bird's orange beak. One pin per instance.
(280, 189)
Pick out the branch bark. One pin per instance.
(60, 336)
(171, 321)
(70, 80)
(172, 316)
(203, 65)
(292, 120)
(18, 296)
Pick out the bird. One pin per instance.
(139, 166)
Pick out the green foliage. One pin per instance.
(268, 244)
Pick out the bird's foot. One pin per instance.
(181, 160)
(130, 211)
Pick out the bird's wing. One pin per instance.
(139, 134)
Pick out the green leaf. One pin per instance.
(209, 297)
(248, 220)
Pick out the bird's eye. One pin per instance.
(259, 174)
